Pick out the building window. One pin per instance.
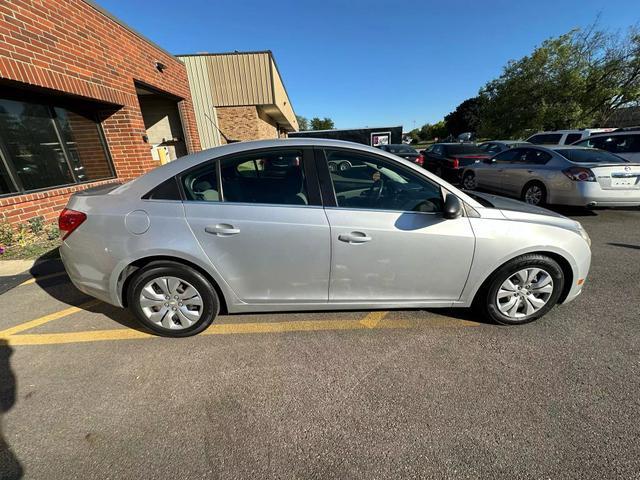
(42, 146)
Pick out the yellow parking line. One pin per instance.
(42, 277)
(45, 319)
(243, 328)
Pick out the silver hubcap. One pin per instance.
(524, 293)
(469, 182)
(533, 195)
(171, 303)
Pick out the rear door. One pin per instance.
(259, 219)
(389, 239)
(525, 166)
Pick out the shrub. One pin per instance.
(36, 224)
(7, 234)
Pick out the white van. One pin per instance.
(565, 137)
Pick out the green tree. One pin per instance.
(465, 118)
(321, 124)
(303, 122)
(573, 81)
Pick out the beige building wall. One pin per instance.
(246, 123)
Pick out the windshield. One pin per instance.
(400, 149)
(590, 155)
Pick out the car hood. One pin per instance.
(517, 210)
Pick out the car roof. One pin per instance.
(506, 142)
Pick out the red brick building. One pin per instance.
(83, 100)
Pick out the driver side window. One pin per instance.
(369, 182)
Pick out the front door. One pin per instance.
(389, 239)
(259, 220)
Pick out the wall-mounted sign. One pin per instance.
(380, 138)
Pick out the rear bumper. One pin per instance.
(591, 194)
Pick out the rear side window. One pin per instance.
(275, 177)
(535, 157)
(167, 190)
(545, 139)
(201, 184)
(572, 137)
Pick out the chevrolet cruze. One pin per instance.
(268, 226)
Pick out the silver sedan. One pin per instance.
(267, 226)
(562, 175)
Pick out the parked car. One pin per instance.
(404, 151)
(624, 143)
(447, 160)
(564, 137)
(494, 147)
(211, 231)
(564, 175)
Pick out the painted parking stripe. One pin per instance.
(42, 277)
(46, 319)
(244, 328)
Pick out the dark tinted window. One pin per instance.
(45, 146)
(532, 156)
(167, 190)
(276, 177)
(614, 143)
(201, 184)
(580, 155)
(373, 183)
(463, 149)
(545, 138)
(438, 149)
(491, 148)
(572, 137)
(508, 156)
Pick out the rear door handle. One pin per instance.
(354, 237)
(222, 229)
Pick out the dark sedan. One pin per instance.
(404, 151)
(448, 160)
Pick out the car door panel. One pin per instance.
(408, 256)
(262, 251)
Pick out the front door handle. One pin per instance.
(354, 237)
(222, 229)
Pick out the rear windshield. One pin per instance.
(464, 149)
(590, 155)
(400, 149)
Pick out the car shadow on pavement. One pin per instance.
(10, 467)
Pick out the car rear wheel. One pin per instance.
(469, 181)
(534, 193)
(172, 299)
(522, 290)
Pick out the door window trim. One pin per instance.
(328, 190)
(308, 165)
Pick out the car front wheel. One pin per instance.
(522, 290)
(172, 299)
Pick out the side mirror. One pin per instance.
(452, 207)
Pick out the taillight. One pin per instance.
(420, 160)
(580, 174)
(69, 220)
(456, 162)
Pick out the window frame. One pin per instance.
(7, 162)
(328, 190)
(308, 165)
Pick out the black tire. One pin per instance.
(543, 194)
(210, 300)
(466, 179)
(486, 299)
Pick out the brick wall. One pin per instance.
(245, 123)
(70, 47)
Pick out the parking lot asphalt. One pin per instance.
(84, 393)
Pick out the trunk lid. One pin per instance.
(616, 176)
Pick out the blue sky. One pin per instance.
(372, 63)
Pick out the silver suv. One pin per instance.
(267, 226)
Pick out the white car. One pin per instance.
(565, 137)
(623, 144)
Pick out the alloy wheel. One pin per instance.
(469, 182)
(524, 293)
(171, 303)
(533, 195)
